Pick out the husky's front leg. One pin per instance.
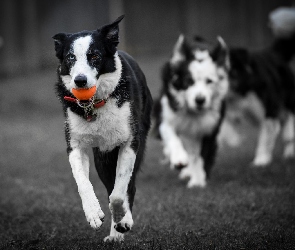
(79, 161)
(119, 205)
(173, 147)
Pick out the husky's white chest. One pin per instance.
(110, 129)
(196, 125)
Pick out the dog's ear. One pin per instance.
(111, 34)
(181, 51)
(220, 53)
(58, 44)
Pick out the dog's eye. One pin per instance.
(189, 81)
(71, 57)
(209, 81)
(94, 57)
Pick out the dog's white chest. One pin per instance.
(110, 129)
(200, 125)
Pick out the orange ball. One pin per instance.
(84, 94)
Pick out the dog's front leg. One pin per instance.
(79, 161)
(269, 131)
(173, 147)
(119, 205)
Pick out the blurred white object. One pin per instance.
(282, 21)
(228, 135)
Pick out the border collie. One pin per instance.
(114, 123)
(191, 108)
(267, 76)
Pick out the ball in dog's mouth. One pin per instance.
(84, 94)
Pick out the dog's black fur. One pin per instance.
(267, 74)
(176, 76)
(131, 88)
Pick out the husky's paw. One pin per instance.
(185, 173)
(117, 208)
(178, 159)
(94, 215)
(197, 182)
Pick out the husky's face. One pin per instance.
(87, 55)
(199, 78)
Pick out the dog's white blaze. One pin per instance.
(110, 129)
(107, 83)
(201, 55)
(200, 71)
(81, 66)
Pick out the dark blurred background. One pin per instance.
(151, 27)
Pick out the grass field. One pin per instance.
(241, 208)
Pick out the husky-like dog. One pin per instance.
(114, 122)
(191, 107)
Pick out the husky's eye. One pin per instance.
(209, 81)
(189, 81)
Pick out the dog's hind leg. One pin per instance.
(289, 136)
(266, 142)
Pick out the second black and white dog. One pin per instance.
(115, 122)
(266, 76)
(191, 108)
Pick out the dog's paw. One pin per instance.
(94, 217)
(178, 159)
(197, 182)
(185, 173)
(261, 161)
(117, 208)
(289, 151)
(114, 238)
(94, 214)
(122, 227)
(125, 224)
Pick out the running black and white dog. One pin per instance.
(262, 84)
(268, 78)
(191, 108)
(115, 123)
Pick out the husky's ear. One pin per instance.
(181, 51)
(58, 44)
(220, 53)
(111, 34)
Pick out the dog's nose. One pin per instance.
(200, 100)
(80, 81)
